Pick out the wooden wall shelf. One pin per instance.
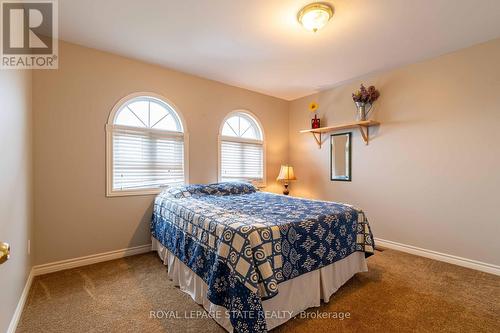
(363, 127)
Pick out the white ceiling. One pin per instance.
(258, 44)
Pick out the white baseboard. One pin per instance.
(464, 262)
(20, 305)
(89, 260)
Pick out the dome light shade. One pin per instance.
(315, 16)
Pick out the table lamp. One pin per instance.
(286, 175)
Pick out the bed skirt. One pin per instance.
(292, 298)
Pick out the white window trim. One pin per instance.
(260, 184)
(109, 144)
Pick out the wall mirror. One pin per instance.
(340, 157)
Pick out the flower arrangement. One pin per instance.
(315, 122)
(367, 96)
(364, 99)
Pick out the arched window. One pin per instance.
(145, 146)
(241, 149)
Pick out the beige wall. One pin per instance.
(15, 187)
(430, 177)
(71, 107)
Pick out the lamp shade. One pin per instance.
(286, 173)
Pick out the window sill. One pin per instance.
(112, 194)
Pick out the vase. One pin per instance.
(315, 122)
(362, 110)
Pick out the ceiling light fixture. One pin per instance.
(315, 15)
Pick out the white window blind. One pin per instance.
(145, 146)
(241, 148)
(241, 161)
(146, 160)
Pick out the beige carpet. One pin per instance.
(400, 293)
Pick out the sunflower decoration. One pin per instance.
(313, 106)
(315, 122)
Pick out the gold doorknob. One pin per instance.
(4, 252)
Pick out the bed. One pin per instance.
(247, 256)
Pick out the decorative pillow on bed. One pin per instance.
(226, 188)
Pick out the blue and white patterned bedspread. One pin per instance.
(243, 243)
